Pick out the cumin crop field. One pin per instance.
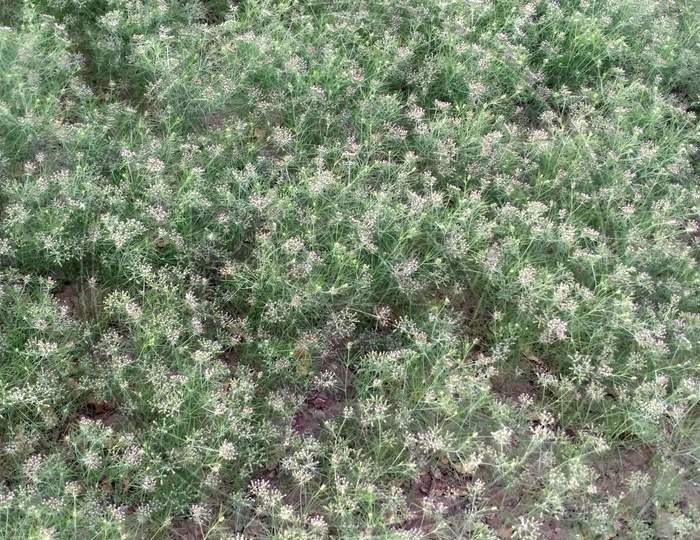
(363, 269)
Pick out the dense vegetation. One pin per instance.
(349, 269)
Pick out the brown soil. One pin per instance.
(318, 408)
(512, 388)
(444, 486)
(81, 302)
(185, 529)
